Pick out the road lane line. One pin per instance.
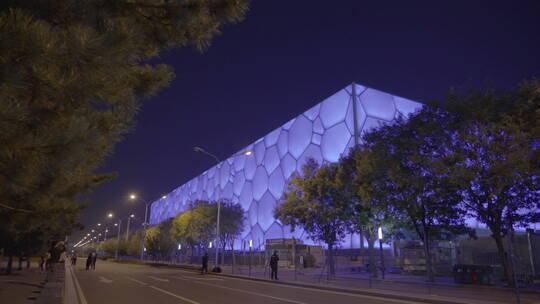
(158, 279)
(82, 299)
(382, 297)
(174, 295)
(135, 280)
(252, 293)
(105, 280)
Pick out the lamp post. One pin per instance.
(127, 230)
(380, 232)
(133, 197)
(218, 192)
(118, 238)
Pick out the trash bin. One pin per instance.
(473, 274)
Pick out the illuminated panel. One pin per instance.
(257, 181)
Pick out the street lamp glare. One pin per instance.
(132, 196)
(248, 153)
(99, 224)
(164, 197)
(132, 216)
(110, 215)
(115, 224)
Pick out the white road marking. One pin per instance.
(252, 293)
(135, 280)
(105, 280)
(158, 279)
(174, 295)
(180, 278)
(330, 292)
(82, 299)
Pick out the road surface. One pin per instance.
(113, 283)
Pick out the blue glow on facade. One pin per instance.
(257, 181)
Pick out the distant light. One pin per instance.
(210, 245)
(380, 233)
(110, 214)
(179, 246)
(132, 196)
(115, 224)
(145, 249)
(132, 216)
(247, 153)
(106, 230)
(88, 234)
(250, 243)
(164, 197)
(99, 224)
(93, 231)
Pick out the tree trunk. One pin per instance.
(9, 264)
(20, 263)
(427, 254)
(504, 259)
(330, 260)
(371, 254)
(27, 262)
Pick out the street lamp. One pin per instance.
(380, 234)
(127, 230)
(119, 225)
(133, 197)
(218, 192)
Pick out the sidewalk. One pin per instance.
(444, 292)
(22, 286)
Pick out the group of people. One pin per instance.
(56, 254)
(91, 261)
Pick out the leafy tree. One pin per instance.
(418, 185)
(495, 160)
(231, 224)
(316, 202)
(197, 226)
(158, 241)
(362, 174)
(72, 75)
(133, 244)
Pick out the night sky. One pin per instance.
(289, 55)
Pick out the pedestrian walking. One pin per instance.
(94, 258)
(274, 265)
(74, 259)
(204, 268)
(89, 261)
(41, 262)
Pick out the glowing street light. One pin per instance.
(110, 215)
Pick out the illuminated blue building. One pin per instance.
(257, 181)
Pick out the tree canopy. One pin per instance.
(72, 75)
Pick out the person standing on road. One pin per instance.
(94, 258)
(274, 265)
(89, 261)
(204, 268)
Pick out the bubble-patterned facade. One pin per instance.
(257, 181)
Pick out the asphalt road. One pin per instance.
(136, 284)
